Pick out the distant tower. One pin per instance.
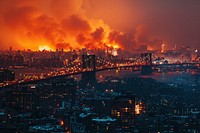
(175, 47)
(10, 49)
(163, 48)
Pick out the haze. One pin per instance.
(73, 24)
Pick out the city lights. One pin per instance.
(99, 66)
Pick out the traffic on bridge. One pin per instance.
(94, 63)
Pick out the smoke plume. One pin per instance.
(75, 24)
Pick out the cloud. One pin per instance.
(75, 24)
(97, 24)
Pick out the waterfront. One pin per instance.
(187, 79)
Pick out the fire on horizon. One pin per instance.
(75, 24)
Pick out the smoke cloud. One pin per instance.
(75, 24)
(170, 21)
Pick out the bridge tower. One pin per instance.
(147, 67)
(89, 62)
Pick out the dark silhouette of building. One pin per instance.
(23, 99)
(104, 125)
(6, 60)
(7, 75)
(18, 60)
(123, 109)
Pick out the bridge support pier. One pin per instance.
(146, 70)
(89, 77)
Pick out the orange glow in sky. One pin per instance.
(96, 24)
(45, 47)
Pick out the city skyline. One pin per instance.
(124, 24)
(99, 66)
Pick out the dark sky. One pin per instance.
(91, 23)
(172, 20)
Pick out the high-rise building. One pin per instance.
(7, 75)
(22, 99)
(18, 60)
(123, 109)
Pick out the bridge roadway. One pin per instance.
(24, 82)
(137, 68)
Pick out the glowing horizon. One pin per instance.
(45, 47)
